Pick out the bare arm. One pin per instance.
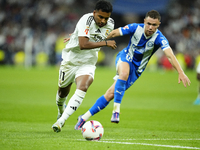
(172, 59)
(114, 33)
(86, 44)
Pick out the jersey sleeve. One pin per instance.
(128, 29)
(164, 43)
(83, 27)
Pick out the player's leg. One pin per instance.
(83, 82)
(197, 101)
(120, 87)
(100, 104)
(61, 97)
(84, 76)
(66, 78)
(60, 101)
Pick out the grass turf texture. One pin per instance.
(157, 113)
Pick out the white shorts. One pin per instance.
(198, 68)
(68, 73)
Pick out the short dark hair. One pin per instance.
(153, 14)
(104, 6)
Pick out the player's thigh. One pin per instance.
(122, 66)
(84, 76)
(85, 70)
(66, 75)
(123, 70)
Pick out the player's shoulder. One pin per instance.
(88, 18)
(161, 39)
(135, 25)
(111, 21)
(110, 24)
(87, 15)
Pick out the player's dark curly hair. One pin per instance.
(153, 14)
(104, 6)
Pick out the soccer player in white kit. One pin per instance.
(145, 40)
(80, 57)
(197, 101)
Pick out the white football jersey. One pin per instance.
(86, 27)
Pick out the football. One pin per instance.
(92, 130)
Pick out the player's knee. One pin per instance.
(83, 88)
(62, 92)
(124, 75)
(198, 76)
(109, 95)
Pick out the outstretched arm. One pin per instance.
(172, 59)
(114, 33)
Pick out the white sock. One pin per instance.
(116, 107)
(87, 115)
(73, 104)
(60, 103)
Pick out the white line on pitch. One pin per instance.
(153, 139)
(159, 145)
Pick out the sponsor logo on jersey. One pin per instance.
(98, 38)
(164, 42)
(126, 27)
(98, 31)
(87, 30)
(135, 37)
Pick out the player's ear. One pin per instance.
(94, 12)
(159, 23)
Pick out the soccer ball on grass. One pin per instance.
(92, 130)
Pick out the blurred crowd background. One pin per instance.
(32, 32)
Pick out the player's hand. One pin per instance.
(182, 77)
(67, 39)
(112, 44)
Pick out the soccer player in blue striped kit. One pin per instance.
(145, 40)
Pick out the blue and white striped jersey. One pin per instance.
(141, 48)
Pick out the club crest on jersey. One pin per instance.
(150, 44)
(107, 32)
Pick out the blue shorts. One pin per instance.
(133, 74)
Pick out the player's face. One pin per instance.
(101, 18)
(151, 25)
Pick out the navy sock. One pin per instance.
(120, 88)
(100, 104)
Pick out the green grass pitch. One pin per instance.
(157, 113)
